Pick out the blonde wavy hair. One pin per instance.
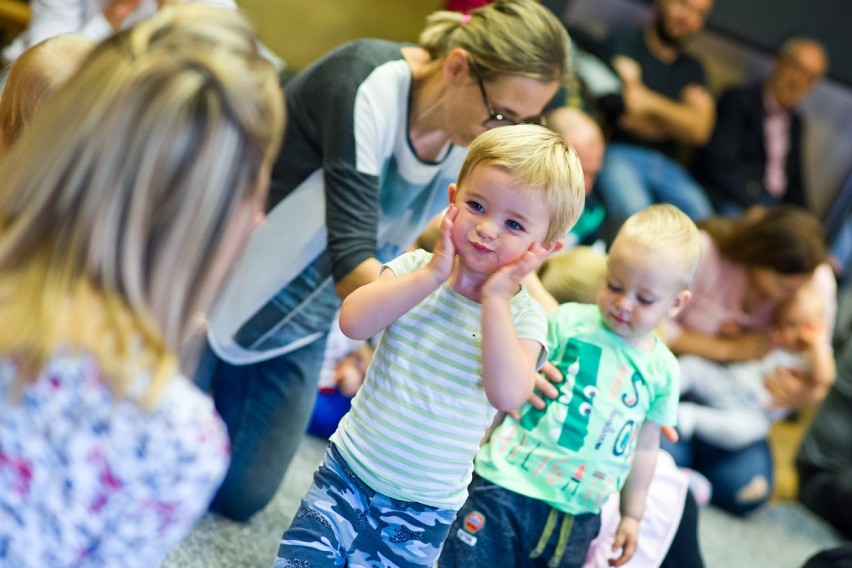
(539, 159)
(504, 37)
(114, 203)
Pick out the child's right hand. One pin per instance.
(444, 254)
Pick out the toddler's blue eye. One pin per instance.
(475, 206)
(514, 225)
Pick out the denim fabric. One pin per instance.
(736, 476)
(305, 306)
(266, 407)
(342, 522)
(500, 528)
(632, 178)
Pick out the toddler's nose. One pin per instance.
(486, 229)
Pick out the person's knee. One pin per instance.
(746, 498)
(241, 503)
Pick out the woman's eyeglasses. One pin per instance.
(496, 119)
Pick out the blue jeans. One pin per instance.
(633, 177)
(742, 479)
(500, 528)
(266, 407)
(343, 522)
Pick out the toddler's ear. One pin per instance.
(681, 299)
(554, 247)
(452, 192)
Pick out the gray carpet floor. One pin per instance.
(779, 536)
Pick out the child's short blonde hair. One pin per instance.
(540, 160)
(34, 76)
(574, 276)
(665, 227)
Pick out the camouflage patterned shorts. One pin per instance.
(342, 522)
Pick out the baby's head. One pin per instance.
(574, 276)
(534, 162)
(650, 266)
(799, 319)
(34, 76)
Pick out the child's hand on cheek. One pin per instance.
(506, 282)
(444, 255)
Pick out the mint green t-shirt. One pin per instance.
(578, 450)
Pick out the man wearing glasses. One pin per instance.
(755, 155)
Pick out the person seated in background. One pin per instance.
(755, 154)
(666, 106)
(34, 77)
(728, 404)
(581, 131)
(95, 19)
(748, 266)
(824, 459)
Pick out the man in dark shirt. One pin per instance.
(824, 460)
(755, 154)
(666, 104)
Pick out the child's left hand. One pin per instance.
(626, 539)
(506, 282)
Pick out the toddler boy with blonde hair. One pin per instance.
(461, 339)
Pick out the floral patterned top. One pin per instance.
(90, 480)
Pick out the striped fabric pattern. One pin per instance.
(416, 423)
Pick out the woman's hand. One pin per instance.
(747, 346)
(788, 387)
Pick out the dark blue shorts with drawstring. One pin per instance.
(500, 528)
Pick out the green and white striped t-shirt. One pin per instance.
(417, 421)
